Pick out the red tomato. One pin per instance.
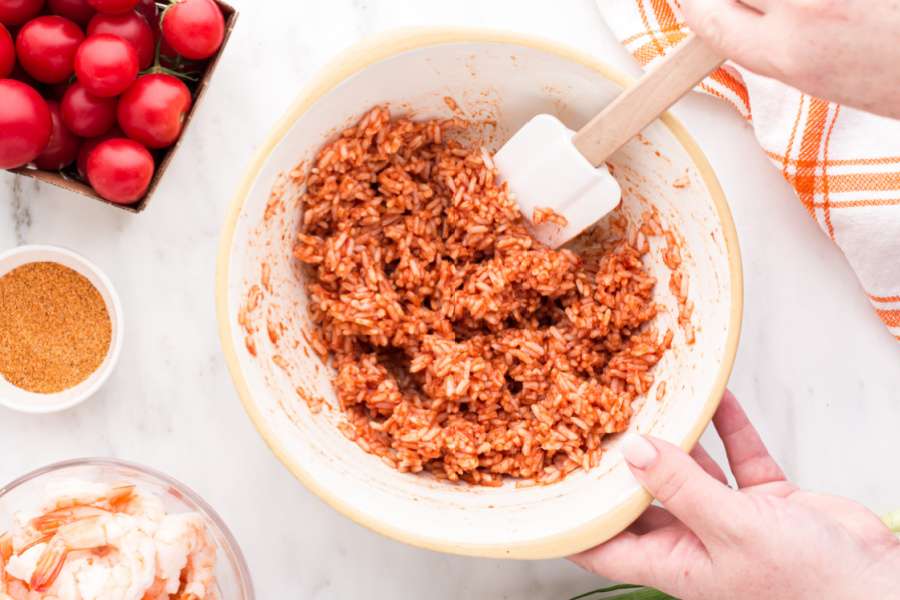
(16, 12)
(120, 170)
(113, 7)
(194, 28)
(7, 53)
(170, 59)
(153, 110)
(85, 114)
(25, 124)
(132, 28)
(90, 144)
(106, 64)
(74, 10)
(46, 48)
(148, 10)
(63, 146)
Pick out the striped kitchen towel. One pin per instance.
(843, 163)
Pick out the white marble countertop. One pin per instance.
(816, 369)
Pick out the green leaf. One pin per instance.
(636, 593)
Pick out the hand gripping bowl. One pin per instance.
(490, 77)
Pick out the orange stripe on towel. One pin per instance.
(728, 80)
(664, 14)
(891, 318)
(884, 299)
(887, 160)
(805, 181)
(648, 27)
(654, 49)
(827, 203)
(667, 31)
(851, 182)
(870, 203)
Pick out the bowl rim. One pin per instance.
(355, 59)
(111, 359)
(183, 489)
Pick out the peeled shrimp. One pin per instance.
(157, 591)
(121, 556)
(93, 541)
(19, 591)
(42, 528)
(70, 492)
(79, 500)
(74, 500)
(186, 557)
(6, 550)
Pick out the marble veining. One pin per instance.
(816, 370)
(21, 213)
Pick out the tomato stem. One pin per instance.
(157, 51)
(158, 68)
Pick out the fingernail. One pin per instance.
(638, 450)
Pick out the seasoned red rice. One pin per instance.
(548, 215)
(463, 347)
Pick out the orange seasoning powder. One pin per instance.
(54, 327)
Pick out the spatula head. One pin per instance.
(545, 171)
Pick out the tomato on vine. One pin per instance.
(154, 109)
(17, 12)
(106, 64)
(62, 148)
(89, 145)
(7, 53)
(194, 28)
(85, 114)
(25, 124)
(149, 10)
(78, 11)
(113, 7)
(46, 48)
(120, 170)
(131, 27)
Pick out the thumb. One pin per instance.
(704, 504)
(734, 29)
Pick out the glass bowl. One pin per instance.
(26, 492)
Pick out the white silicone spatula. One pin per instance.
(547, 165)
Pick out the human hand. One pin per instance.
(768, 539)
(840, 50)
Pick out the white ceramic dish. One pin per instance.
(29, 402)
(508, 79)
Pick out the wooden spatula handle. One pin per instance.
(649, 97)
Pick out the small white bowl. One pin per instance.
(29, 402)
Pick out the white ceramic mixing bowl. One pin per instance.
(507, 79)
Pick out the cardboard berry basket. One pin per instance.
(163, 157)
